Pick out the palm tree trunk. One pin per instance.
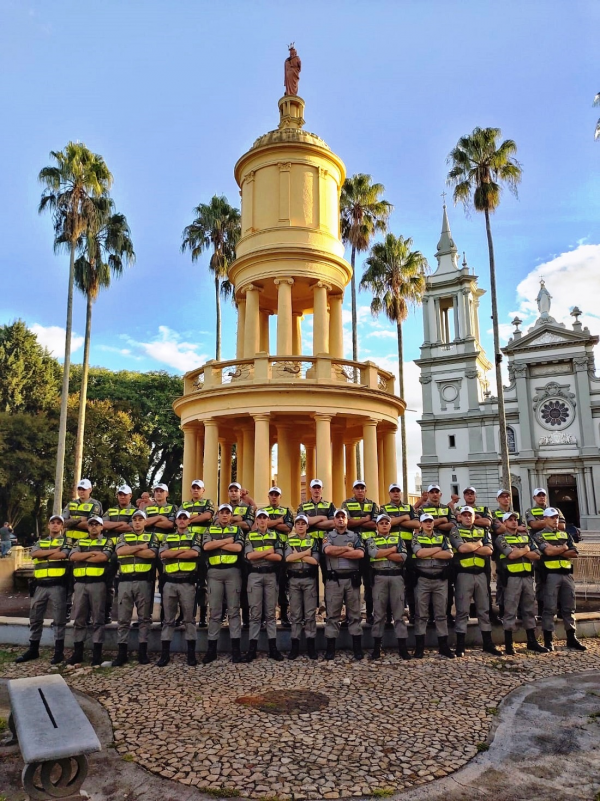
(403, 417)
(506, 483)
(355, 342)
(218, 302)
(83, 396)
(64, 398)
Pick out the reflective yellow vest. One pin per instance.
(220, 558)
(470, 562)
(386, 542)
(279, 511)
(152, 511)
(429, 542)
(520, 566)
(45, 569)
(556, 563)
(198, 508)
(397, 511)
(312, 509)
(180, 542)
(83, 570)
(130, 564)
(81, 509)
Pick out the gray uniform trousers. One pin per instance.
(432, 590)
(558, 585)
(519, 590)
(141, 595)
(89, 597)
(472, 586)
(338, 593)
(303, 605)
(55, 597)
(262, 595)
(177, 595)
(224, 582)
(388, 588)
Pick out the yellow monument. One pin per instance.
(289, 263)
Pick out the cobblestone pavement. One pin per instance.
(388, 725)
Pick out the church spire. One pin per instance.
(447, 253)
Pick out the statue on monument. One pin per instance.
(543, 300)
(292, 67)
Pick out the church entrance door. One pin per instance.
(563, 493)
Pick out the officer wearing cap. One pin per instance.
(473, 548)
(516, 552)
(77, 512)
(483, 519)
(222, 543)
(160, 520)
(342, 548)
(558, 550)
(504, 500)
(136, 552)
(362, 512)
(90, 556)
(443, 521)
(432, 553)
(201, 511)
(405, 522)
(50, 556)
(281, 521)
(534, 517)
(301, 556)
(387, 554)
(242, 515)
(320, 518)
(179, 552)
(117, 520)
(263, 552)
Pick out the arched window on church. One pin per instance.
(512, 440)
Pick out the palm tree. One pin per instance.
(104, 249)
(479, 167)
(216, 224)
(70, 186)
(395, 275)
(597, 103)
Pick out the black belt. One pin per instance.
(263, 569)
(180, 580)
(137, 576)
(388, 572)
(332, 575)
(90, 580)
(60, 582)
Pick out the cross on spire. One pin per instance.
(444, 197)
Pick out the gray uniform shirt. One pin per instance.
(429, 564)
(255, 541)
(376, 542)
(294, 544)
(346, 538)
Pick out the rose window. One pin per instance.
(555, 413)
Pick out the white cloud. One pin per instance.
(168, 349)
(383, 334)
(53, 338)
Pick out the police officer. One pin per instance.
(223, 542)
(557, 549)
(50, 557)
(320, 519)
(342, 549)
(302, 560)
(180, 551)
(404, 522)
(516, 551)
(160, 520)
(117, 520)
(90, 556)
(483, 519)
(432, 554)
(504, 499)
(473, 549)
(201, 511)
(534, 517)
(136, 555)
(443, 516)
(243, 516)
(76, 514)
(387, 554)
(281, 521)
(263, 552)
(362, 512)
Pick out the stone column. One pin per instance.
(426, 324)
(284, 461)
(390, 470)
(525, 416)
(336, 330)
(438, 321)
(311, 465)
(380, 466)
(247, 477)
(252, 322)
(350, 466)
(586, 422)
(294, 448)
(321, 319)
(476, 317)
(323, 426)
(264, 331)
(189, 458)
(338, 487)
(239, 453)
(241, 326)
(371, 475)
(296, 334)
(199, 468)
(262, 457)
(467, 312)
(456, 322)
(284, 316)
(211, 457)
(225, 471)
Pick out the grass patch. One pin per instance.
(222, 792)
(492, 710)
(594, 716)
(6, 656)
(382, 792)
(3, 728)
(128, 758)
(482, 747)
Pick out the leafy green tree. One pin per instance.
(70, 185)
(217, 225)
(395, 275)
(479, 167)
(30, 375)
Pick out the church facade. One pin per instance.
(552, 400)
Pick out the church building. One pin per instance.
(552, 400)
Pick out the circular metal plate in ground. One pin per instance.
(285, 702)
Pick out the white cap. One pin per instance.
(506, 516)
(97, 518)
(85, 483)
(275, 489)
(139, 513)
(539, 490)
(234, 484)
(340, 512)
(197, 482)
(56, 517)
(470, 489)
(551, 512)
(502, 492)
(468, 509)
(433, 487)
(183, 513)
(261, 513)
(383, 516)
(394, 486)
(161, 487)
(359, 483)
(425, 517)
(125, 489)
(301, 517)
(316, 482)
(225, 506)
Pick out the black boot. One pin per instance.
(376, 648)
(444, 649)
(419, 646)
(59, 652)
(295, 649)
(121, 656)
(165, 654)
(250, 654)
(548, 644)
(508, 643)
(573, 642)
(202, 623)
(357, 646)
(236, 654)
(403, 650)
(97, 654)
(273, 652)
(460, 644)
(533, 644)
(76, 657)
(330, 652)
(143, 654)
(311, 649)
(211, 653)
(488, 645)
(191, 653)
(33, 652)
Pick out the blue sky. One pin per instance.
(171, 94)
